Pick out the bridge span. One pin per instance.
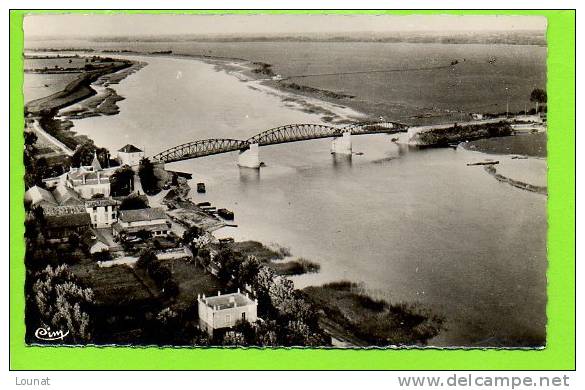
(249, 149)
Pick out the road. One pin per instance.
(36, 127)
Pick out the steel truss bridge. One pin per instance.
(278, 135)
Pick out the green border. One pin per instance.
(558, 355)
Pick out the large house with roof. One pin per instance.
(87, 180)
(153, 220)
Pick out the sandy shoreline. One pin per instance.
(331, 111)
(88, 95)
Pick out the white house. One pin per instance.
(86, 181)
(223, 311)
(153, 220)
(130, 155)
(103, 212)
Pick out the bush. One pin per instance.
(146, 258)
(104, 255)
(134, 202)
(170, 288)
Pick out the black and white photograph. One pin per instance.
(265, 180)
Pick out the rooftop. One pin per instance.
(135, 229)
(129, 149)
(64, 210)
(36, 195)
(65, 195)
(67, 220)
(150, 214)
(226, 301)
(102, 202)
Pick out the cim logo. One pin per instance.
(48, 335)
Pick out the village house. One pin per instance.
(87, 180)
(103, 212)
(62, 221)
(223, 311)
(95, 242)
(130, 155)
(153, 220)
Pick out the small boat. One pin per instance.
(483, 163)
(201, 188)
(204, 204)
(225, 214)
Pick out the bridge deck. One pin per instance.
(278, 135)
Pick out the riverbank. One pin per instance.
(328, 104)
(530, 145)
(515, 183)
(348, 313)
(80, 99)
(278, 258)
(522, 163)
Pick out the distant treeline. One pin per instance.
(522, 37)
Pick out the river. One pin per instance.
(412, 225)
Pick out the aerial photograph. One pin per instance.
(285, 180)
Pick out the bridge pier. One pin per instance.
(250, 158)
(341, 145)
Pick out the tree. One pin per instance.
(62, 304)
(103, 255)
(134, 202)
(233, 338)
(281, 291)
(191, 234)
(226, 259)
(122, 181)
(538, 96)
(147, 177)
(85, 153)
(147, 257)
(143, 234)
(249, 268)
(74, 241)
(170, 288)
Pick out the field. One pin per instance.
(32, 63)
(117, 285)
(192, 280)
(533, 145)
(39, 85)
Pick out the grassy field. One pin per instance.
(32, 63)
(117, 285)
(350, 311)
(192, 280)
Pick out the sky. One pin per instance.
(36, 26)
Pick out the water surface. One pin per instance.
(413, 225)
